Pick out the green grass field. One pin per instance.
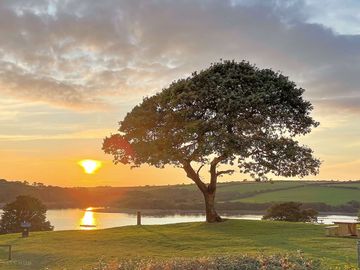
(245, 187)
(328, 195)
(80, 249)
(331, 193)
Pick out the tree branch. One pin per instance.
(194, 176)
(225, 172)
(213, 174)
(217, 160)
(198, 171)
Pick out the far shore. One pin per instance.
(165, 212)
(173, 211)
(161, 212)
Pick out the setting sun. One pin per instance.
(89, 165)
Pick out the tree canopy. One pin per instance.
(24, 209)
(291, 211)
(231, 113)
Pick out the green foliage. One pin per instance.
(82, 249)
(232, 110)
(24, 209)
(290, 211)
(248, 262)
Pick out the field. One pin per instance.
(308, 194)
(330, 193)
(83, 249)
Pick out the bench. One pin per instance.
(332, 230)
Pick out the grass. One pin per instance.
(328, 192)
(349, 184)
(80, 249)
(314, 193)
(245, 187)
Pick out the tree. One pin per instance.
(24, 208)
(290, 211)
(231, 113)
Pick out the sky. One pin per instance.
(71, 69)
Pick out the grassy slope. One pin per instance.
(245, 187)
(328, 195)
(75, 249)
(348, 184)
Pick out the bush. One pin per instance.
(24, 209)
(291, 211)
(261, 262)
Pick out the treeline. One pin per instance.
(59, 197)
(172, 197)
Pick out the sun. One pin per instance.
(89, 165)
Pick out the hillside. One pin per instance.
(81, 249)
(60, 197)
(325, 196)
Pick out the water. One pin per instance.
(78, 219)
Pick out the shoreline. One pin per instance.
(171, 212)
(161, 212)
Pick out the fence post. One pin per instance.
(358, 252)
(138, 218)
(9, 252)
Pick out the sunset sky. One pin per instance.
(70, 70)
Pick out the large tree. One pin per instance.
(231, 113)
(24, 209)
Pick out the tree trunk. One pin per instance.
(211, 215)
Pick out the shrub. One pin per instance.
(24, 209)
(245, 262)
(290, 211)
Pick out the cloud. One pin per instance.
(80, 54)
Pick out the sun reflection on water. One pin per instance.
(88, 221)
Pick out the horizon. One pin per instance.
(70, 72)
(273, 181)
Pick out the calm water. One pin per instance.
(78, 219)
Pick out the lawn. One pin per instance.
(314, 193)
(77, 249)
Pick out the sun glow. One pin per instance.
(90, 166)
(88, 221)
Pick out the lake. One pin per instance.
(87, 219)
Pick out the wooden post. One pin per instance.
(9, 252)
(138, 218)
(358, 248)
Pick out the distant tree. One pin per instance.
(229, 113)
(291, 211)
(24, 208)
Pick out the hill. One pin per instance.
(325, 196)
(80, 249)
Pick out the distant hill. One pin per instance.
(59, 197)
(325, 196)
